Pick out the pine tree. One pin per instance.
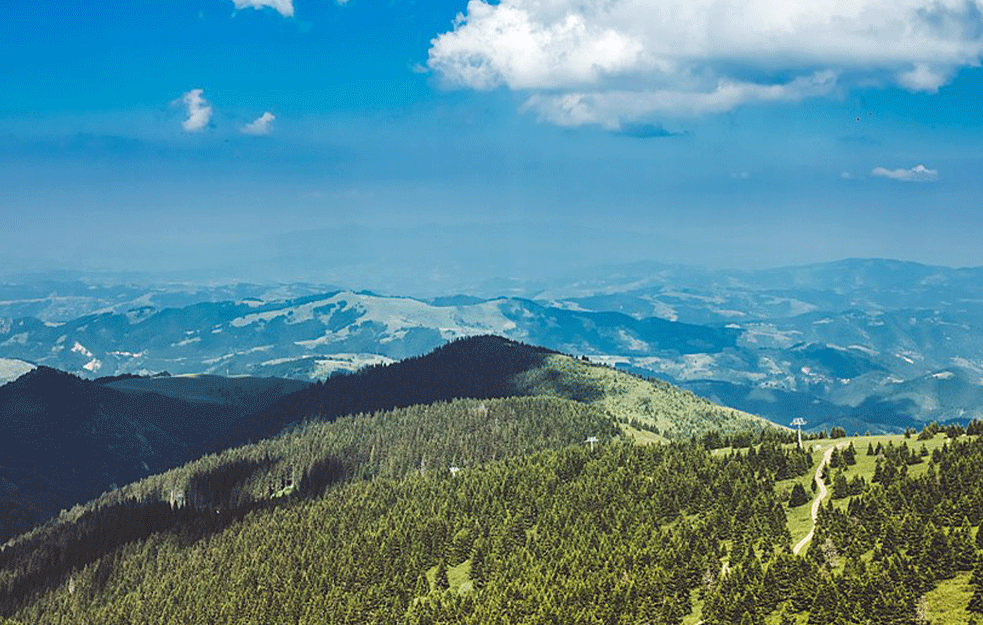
(976, 601)
(440, 577)
(422, 585)
(478, 567)
(977, 577)
(798, 496)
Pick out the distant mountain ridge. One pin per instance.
(830, 342)
(343, 329)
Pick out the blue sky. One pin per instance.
(177, 136)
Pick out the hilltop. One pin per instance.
(491, 366)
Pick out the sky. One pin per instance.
(317, 139)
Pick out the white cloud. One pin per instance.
(284, 7)
(610, 108)
(924, 78)
(199, 111)
(918, 173)
(262, 125)
(605, 61)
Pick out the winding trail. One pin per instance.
(820, 495)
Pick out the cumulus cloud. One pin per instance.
(262, 125)
(283, 7)
(607, 61)
(609, 109)
(918, 173)
(199, 111)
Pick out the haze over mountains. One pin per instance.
(868, 344)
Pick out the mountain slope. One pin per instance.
(11, 369)
(819, 340)
(492, 366)
(66, 440)
(207, 495)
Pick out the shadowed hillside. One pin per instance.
(66, 440)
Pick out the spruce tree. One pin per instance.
(440, 577)
(976, 601)
(422, 585)
(478, 567)
(798, 496)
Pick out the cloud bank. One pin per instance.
(199, 111)
(262, 125)
(610, 61)
(918, 173)
(284, 7)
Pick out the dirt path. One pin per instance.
(820, 495)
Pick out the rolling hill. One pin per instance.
(242, 392)
(209, 494)
(489, 367)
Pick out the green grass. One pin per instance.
(641, 437)
(866, 464)
(775, 618)
(675, 412)
(696, 616)
(947, 603)
(800, 518)
(459, 577)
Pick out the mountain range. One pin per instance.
(856, 343)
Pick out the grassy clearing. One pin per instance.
(866, 464)
(459, 577)
(947, 603)
(674, 412)
(696, 616)
(800, 518)
(775, 618)
(641, 437)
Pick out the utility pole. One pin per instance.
(591, 440)
(799, 422)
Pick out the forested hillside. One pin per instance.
(492, 366)
(620, 533)
(489, 511)
(195, 500)
(915, 529)
(65, 440)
